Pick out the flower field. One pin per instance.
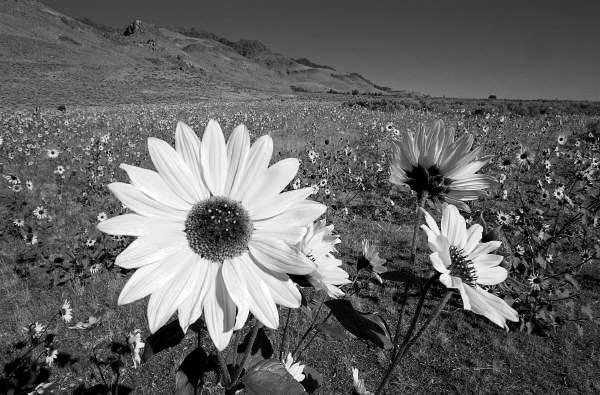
(525, 185)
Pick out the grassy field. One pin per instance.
(63, 161)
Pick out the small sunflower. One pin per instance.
(465, 263)
(434, 163)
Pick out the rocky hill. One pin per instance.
(47, 56)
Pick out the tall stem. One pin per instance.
(420, 204)
(400, 316)
(247, 353)
(388, 374)
(226, 378)
(285, 330)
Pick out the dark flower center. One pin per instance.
(428, 179)
(218, 228)
(461, 267)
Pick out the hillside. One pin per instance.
(47, 57)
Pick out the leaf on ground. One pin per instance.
(269, 377)
(586, 309)
(92, 321)
(332, 329)
(368, 326)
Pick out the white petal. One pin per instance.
(214, 158)
(238, 147)
(153, 185)
(431, 222)
(164, 303)
(256, 164)
(484, 248)
(437, 263)
(300, 214)
(283, 289)
(136, 200)
(219, 313)
(491, 275)
(150, 249)
(491, 307)
(473, 237)
(270, 207)
(124, 225)
(276, 178)
(191, 309)
(174, 171)
(277, 256)
(240, 273)
(454, 226)
(188, 145)
(149, 279)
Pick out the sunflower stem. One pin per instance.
(225, 377)
(398, 355)
(420, 204)
(247, 353)
(431, 318)
(400, 317)
(285, 331)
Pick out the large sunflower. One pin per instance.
(432, 162)
(465, 263)
(214, 232)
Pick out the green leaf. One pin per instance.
(368, 326)
(189, 375)
(571, 280)
(261, 349)
(269, 377)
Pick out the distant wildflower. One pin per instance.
(19, 222)
(52, 153)
(504, 194)
(318, 245)
(502, 218)
(136, 345)
(60, 170)
(312, 155)
(95, 268)
(293, 368)
(29, 185)
(16, 188)
(31, 238)
(432, 162)
(101, 216)
(519, 250)
(465, 263)
(66, 311)
(525, 158)
(562, 139)
(536, 282)
(502, 178)
(40, 212)
(51, 355)
(12, 179)
(506, 164)
(90, 243)
(214, 231)
(296, 183)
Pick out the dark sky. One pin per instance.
(514, 49)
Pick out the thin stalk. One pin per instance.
(388, 374)
(226, 378)
(431, 318)
(247, 352)
(420, 204)
(311, 326)
(285, 331)
(400, 317)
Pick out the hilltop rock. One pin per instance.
(133, 28)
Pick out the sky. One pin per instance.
(523, 49)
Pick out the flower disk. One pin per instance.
(218, 228)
